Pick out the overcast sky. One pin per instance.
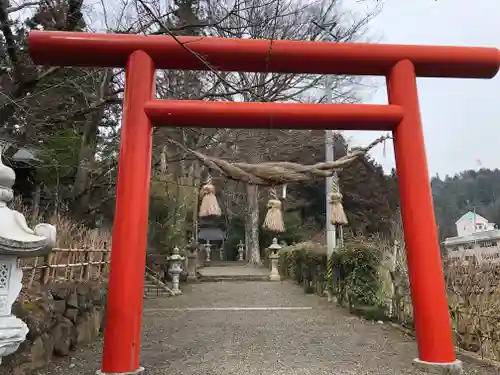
(461, 118)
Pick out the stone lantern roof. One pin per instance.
(16, 238)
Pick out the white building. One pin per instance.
(477, 239)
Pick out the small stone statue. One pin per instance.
(241, 251)
(175, 260)
(208, 250)
(17, 240)
(191, 257)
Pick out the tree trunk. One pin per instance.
(80, 191)
(35, 210)
(196, 179)
(252, 225)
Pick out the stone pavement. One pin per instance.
(257, 328)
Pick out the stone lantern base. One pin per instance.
(274, 275)
(13, 332)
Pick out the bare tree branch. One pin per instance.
(17, 8)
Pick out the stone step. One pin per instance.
(151, 289)
(228, 278)
(152, 285)
(227, 263)
(155, 291)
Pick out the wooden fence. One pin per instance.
(66, 265)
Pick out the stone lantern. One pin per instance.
(17, 240)
(192, 247)
(175, 261)
(274, 257)
(241, 251)
(208, 250)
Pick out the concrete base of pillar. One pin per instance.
(139, 371)
(452, 368)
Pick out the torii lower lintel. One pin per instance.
(256, 115)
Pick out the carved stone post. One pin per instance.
(16, 241)
(175, 261)
(241, 251)
(274, 257)
(208, 250)
(191, 259)
(392, 272)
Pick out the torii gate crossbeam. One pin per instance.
(142, 55)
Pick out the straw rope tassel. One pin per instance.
(338, 215)
(273, 221)
(209, 205)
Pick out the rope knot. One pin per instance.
(207, 189)
(274, 203)
(335, 198)
(338, 215)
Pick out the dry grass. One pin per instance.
(473, 296)
(73, 235)
(80, 251)
(70, 234)
(474, 299)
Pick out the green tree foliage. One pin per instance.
(370, 197)
(57, 158)
(295, 230)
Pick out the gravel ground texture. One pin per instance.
(192, 335)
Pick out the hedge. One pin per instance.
(305, 263)
(355, 281)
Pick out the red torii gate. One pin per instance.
(142, 55)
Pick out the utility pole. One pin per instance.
(331, 230)
(331, 233)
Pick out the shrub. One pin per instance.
(358, 265)
(305, 263)
(356, 270)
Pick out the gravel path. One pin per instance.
(198, 334)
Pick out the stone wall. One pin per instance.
(60, 318)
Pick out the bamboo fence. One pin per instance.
(66, 265)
